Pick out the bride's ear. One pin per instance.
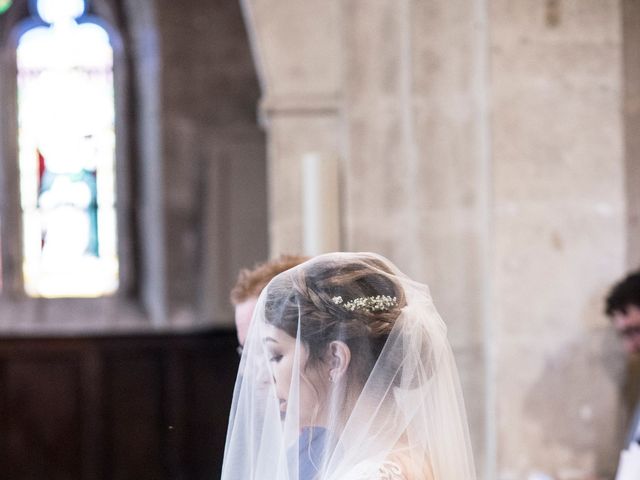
(339, 359)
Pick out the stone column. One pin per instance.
(416, 181)
(631, 71)
(308, 126)
(559, 222)
(297, 47)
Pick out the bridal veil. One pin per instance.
(347, 374)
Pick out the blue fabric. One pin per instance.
(311, 445)
(634, 431)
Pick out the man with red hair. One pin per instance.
(250, 283)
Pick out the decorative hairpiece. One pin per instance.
(377, 303)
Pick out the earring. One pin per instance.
(332, 379)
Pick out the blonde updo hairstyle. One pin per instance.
(307, 296)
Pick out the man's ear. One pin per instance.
(339, 359)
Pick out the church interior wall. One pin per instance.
(488, 148)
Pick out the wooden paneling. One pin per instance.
(144, 407)
(206, 433)
(135, 418)
(43, 418)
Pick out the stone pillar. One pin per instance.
(415, 182)
(559, 226)
(295, 131)
(296, 45)
(631, 61)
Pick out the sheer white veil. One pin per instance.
(370, 386)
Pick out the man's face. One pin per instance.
(628, 326)
(244, 312)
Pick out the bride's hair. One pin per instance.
(356, 302)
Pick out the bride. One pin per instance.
(347, 374)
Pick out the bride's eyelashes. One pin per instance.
(275, 358)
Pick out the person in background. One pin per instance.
(622, 306)
(250, 283)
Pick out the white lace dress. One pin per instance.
(388, 470)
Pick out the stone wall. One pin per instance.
(210, 174)
(559, 232)
(482, 149)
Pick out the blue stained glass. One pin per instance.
(5, 5)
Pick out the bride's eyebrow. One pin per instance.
(269, 339)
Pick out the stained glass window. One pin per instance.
(4, 5)
(67, 155)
